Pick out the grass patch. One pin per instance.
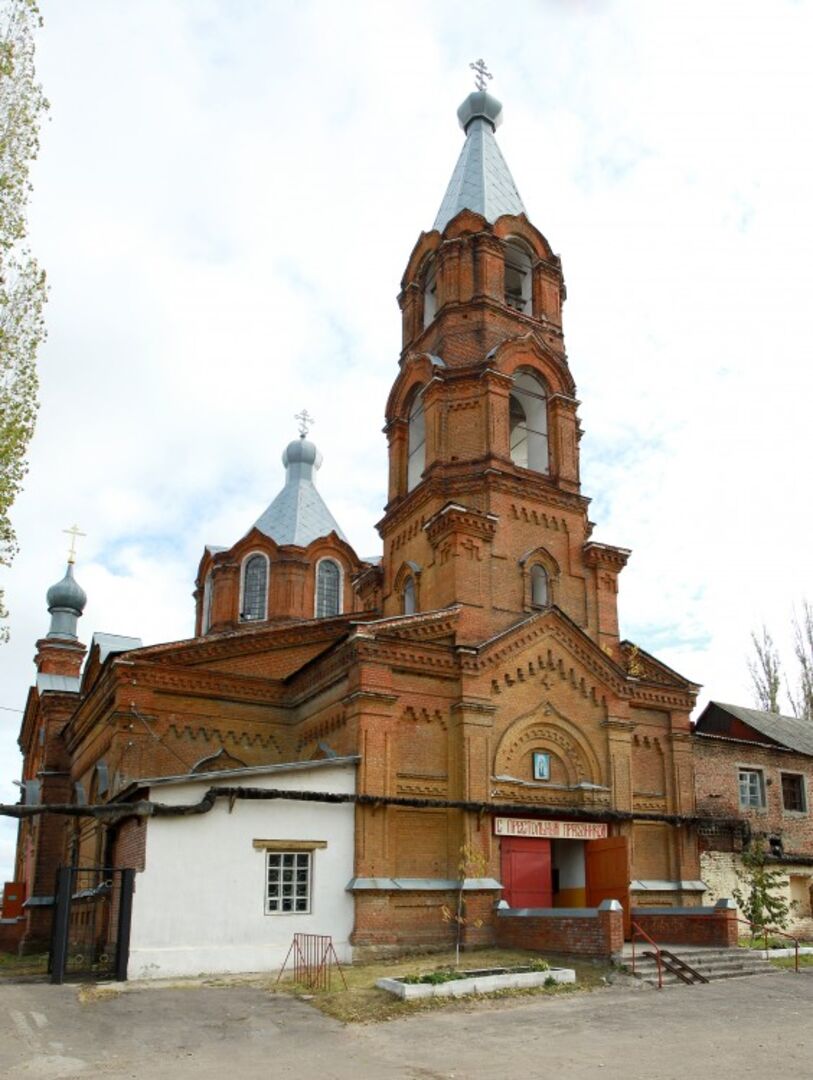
(790, 962)
(363, 1002)
(774, 942)
(12, 965)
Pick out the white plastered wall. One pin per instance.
(718, 870)
(199, 905)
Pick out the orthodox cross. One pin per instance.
(73, 532)
(306, 422)
(481, 73)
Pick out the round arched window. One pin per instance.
(539, 586)
(255, 588)
(528, 420)
(328, 589)
(409, 596)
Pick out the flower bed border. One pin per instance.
(479, 982)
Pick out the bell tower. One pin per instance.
(484, 508)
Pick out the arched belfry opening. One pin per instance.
(528, 422)
(518, 276)
(416, 440)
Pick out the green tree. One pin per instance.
(760, 892)
(22, 283)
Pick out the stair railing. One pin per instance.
(766, 930)
(638, 932)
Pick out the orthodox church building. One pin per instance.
(501, 729)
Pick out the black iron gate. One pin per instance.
(90, 937)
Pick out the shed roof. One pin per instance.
(788, 731)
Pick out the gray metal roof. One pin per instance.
(481, 180)
(114, 643)
(298, 515)
(787, 730)
(47, 681)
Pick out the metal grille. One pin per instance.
(327, 589)
(289, 883)
(91, 930)
(255, 588)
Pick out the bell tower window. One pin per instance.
(528, 420)
(409, 596)
(539, 586)
(328, 589)
(517, 277)
(416, 452)
(430, 294)
(255, 589)
(206, 618)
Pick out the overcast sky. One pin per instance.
(226, 198)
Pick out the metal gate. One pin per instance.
(90, 937)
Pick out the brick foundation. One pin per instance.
(712, 927)
(11, 934)
(594, 932)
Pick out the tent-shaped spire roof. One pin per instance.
(481, 180)
(298, 515)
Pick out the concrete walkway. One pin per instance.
(758, 1027)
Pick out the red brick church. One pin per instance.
(477, 662)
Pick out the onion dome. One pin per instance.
(66, 601)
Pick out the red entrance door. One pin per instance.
(527, 879)
(607, 872)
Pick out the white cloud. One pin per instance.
(225, 201)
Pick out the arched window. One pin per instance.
(416, 446)
(539, 586)
(255, 588)
(517, 276)
(328, 589)
(430, 294)
(409, 596)
(206, 618)
(528, 418)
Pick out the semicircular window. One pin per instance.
(328, 591)
(255, 588)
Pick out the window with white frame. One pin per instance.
(255, 588)
(328, 589)
(793, 793)
(528, 423)
(752, 789)
(288, 882)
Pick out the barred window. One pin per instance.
(288, 883)
(752, 789)
(255, 588)
(328, 589)
(793, 792)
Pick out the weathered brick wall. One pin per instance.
(716, 771)
(597, 934)
(719, 929)
(11, 934)
(130, 846)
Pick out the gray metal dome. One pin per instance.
(66, 601)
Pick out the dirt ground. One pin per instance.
(755, 1027)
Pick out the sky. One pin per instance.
(225, 200)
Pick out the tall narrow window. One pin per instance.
(328, 589)
(255, 588)
(539, 586)
(409, 596)
(206, 619)
(528, 420)
(416, 459)
(517, 276)
(430, 294)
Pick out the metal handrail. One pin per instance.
(773, 930)
(636, 930)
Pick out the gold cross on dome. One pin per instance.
(306, 422)
(481, 73)
(73, 532)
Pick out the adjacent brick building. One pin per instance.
(756, 766)
(476, 669)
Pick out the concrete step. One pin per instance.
(714, 964)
